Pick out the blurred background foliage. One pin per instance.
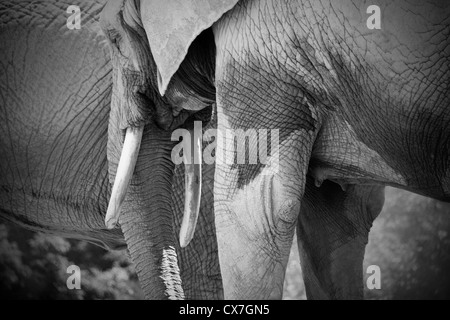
(34, 266)
(409, 241)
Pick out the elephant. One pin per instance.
(58, 152)
(354, 108)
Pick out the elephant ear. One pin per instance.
(171, 27)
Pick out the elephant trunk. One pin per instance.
(146, 217)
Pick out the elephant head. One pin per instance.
(160, 82)
(163, 72)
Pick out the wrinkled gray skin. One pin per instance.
(353, 105)
(56, 87)
(357, 109)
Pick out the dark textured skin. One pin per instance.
(353, 106)
(55, 100)
(268, 76)
(332, 233)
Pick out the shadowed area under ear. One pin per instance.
(171, 31)
(197, 71)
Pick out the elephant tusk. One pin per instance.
(193, 189)
(125, 169)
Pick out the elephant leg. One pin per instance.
(257, 199)
(332, 233)
(255, 217)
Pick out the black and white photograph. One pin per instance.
(225, 150)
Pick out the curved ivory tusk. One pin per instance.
(193, 189)
(125, 169)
